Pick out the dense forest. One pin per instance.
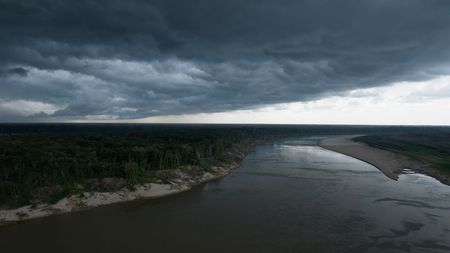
(46, 162)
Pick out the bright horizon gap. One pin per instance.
(424, 103)
(181, 123)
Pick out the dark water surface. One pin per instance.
(290, 196)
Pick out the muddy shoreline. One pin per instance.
(180, 180)
(391, 164)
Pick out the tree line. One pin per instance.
(48, 161)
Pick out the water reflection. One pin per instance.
(290, 196)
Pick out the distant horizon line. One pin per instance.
(236, 124)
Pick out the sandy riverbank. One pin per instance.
(180, 181)
(391, 164)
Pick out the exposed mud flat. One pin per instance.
(391, 164)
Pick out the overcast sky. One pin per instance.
(248, 61)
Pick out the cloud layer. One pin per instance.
(114, 59)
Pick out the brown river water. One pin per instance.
(288, 196)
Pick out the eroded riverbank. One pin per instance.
(94, 199)
(178, 181)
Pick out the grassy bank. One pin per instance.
(429, 147)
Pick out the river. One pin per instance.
(287, 196)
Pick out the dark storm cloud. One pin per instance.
(130, 59)
(14, 71)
